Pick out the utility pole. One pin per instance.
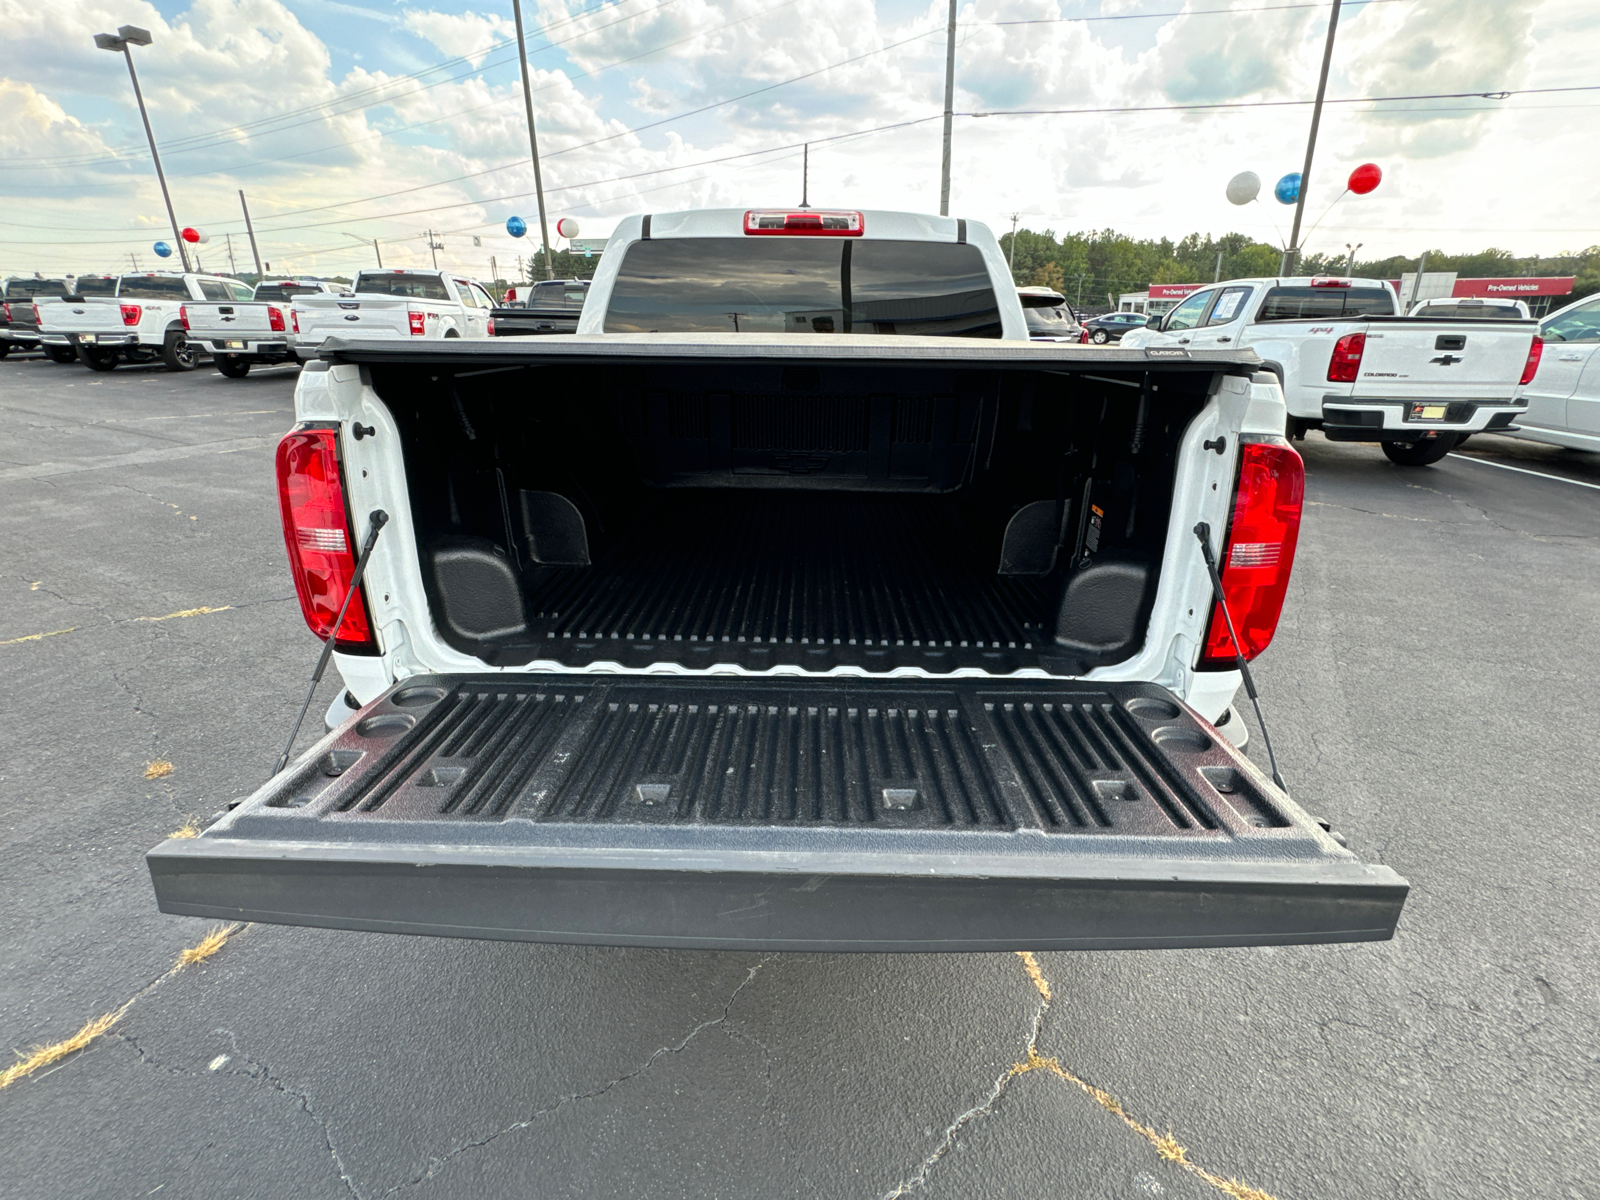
(1011, 262)
(251, 230)
(533, 139)
(233, 268)
(1293, 252)
(949, 110)
(126, 37)
(134, 261)
(1416, 284)
(805, 176)
(494, 271)
(433, 249)
(1217, 278)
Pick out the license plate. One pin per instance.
(88, 337)
(1428, 412)
(233, 345)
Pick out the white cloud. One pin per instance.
(468, 35)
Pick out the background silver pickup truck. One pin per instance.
(857, 641)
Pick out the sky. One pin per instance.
(345, 121)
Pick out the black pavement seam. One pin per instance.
(534, 1117)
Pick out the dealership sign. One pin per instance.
(1549, 286)
(1173, 291)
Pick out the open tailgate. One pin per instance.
(797, 813)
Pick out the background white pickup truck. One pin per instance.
(809, 606)
(260, 331)
(396, 304)
(56, 314)
(145, 320)
(1352, 366)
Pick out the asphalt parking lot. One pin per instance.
(1431, 691)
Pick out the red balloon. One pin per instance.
(1365, 178)
(193, 235)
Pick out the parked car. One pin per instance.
(240, 336)
(549, 306)
(144, 321)
(19, 314)
(1353, 367)
(1111, 327)
(1471, 308)
(1050, 318)
(395, 304)
(686, 631)
(52, 314)
(1563, 398)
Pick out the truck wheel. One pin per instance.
(61, 354)
(178, 352)
(97, 358)
(1099, 337)
(5, 349)
(233, 366)
(1419, 454)
(450, 333)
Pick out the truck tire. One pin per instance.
(233, 366)
(1419, 454)
(60, 354)
(5, 348)
(178, 352)
(98, 358)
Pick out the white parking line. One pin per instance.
(1524, 471)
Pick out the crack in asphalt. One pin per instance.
(436, 1164)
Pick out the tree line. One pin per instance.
(1088, 268)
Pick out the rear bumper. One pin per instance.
(1397, 420)
(781, 814)
(248, 347)
(54, 339)
(118, 340)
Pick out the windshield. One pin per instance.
(803, 285)
(153, 287)
(97, 285)
(403, 283)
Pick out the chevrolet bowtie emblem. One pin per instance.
(1446, 360)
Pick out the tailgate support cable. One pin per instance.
(376, 520)
(1202, 531)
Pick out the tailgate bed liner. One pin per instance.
(781, 812)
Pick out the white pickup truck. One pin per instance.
(145, 321)
(801, 602)
(1352, 366)
(396, 304)
(241, 335)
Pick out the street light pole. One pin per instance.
(124, 40)
(1350, 266)
(1293, 252)
(949, 110)
(533, 140)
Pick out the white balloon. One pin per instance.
(566, 227)
(1244, 187)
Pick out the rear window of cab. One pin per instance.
(412, 287)
(1325, 303)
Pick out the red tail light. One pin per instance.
(1531, 367)
(183, 317)
(37, 320)
(419, 323)
(1346, 360)
(812, 223)
(1258, 552)
(294, 320)
(132, 312)
(275, 319)
(6, 308)
(316, 530)
(1083, 337)
(491, 326)
(1324, 281)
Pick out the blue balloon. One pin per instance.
(1287, 189)
(162, 250)
(516, 226)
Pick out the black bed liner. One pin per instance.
(781, 812)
